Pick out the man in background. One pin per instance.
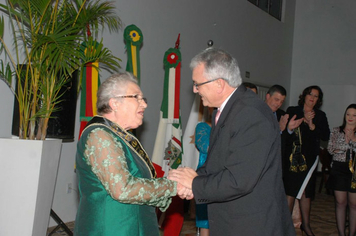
(274, 99)
(251, 86)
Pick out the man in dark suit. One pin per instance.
(241, 181)
(274, 98)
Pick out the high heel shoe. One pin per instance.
(303, 231)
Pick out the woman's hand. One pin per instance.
(308, 118)
(349, 135)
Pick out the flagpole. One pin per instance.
(168, 147)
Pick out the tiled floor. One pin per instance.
(322, 219)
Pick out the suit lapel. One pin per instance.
(218, 128)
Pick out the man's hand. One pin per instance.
(283, 122)
(293, 123)
(183, 176)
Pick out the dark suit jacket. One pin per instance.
(285, 162)
(242, 179)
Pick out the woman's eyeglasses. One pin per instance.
(138, 97)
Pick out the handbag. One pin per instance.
(350, 157)
(296, 158)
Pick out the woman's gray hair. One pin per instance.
(113, 86)
(218, 64)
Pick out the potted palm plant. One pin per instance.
(49, 41)
(47, 38)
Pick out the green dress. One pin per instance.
(118, 191)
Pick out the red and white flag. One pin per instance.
(168, 149)
(167, 152)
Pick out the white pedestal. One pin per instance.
(27, 179)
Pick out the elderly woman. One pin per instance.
(117, 182)
(303, 144)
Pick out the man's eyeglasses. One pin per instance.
(138, 97)
(200, 84)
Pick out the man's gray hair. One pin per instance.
(218, 64)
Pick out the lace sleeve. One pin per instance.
(108, 161)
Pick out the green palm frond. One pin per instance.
(47, 37)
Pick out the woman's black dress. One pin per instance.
(310, 149)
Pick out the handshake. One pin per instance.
(184, 177)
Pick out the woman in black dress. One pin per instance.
(342, 146)
(302, 149)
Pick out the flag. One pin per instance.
(133, 38)
(90, 84)
(191, 153)
(167, 152)
(168, 149)
(198, 113)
